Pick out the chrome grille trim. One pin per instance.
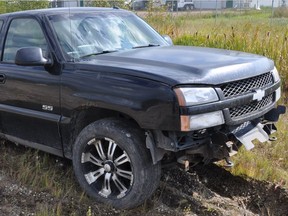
(240, 111)
(246, 85)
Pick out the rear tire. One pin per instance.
(113, 165)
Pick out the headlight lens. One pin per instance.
(194, 96)
(200, 121)
(275, 74)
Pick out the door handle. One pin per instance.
(2, 78)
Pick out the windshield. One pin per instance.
(82, 35)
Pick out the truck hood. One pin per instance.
(182, 64)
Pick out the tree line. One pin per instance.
(7, 6)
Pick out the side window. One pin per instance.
(24, 32)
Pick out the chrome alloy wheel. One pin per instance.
(107, 168)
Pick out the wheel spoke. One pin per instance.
(106, 190)
(88, 157)
(121, 187)
(100, 151)
(111, 149)
(91, 177)
(121, 159)
(125, 174)
(107, 168)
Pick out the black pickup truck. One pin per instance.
(101, 87)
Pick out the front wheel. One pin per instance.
(112, 164)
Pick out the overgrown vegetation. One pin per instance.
(7, 6)
(253, 32)
(281, 12)
(51, 178)
(107, 3)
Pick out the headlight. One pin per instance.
(200, 121)
(275, 74)
(193, 96)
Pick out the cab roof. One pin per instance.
(52, 11)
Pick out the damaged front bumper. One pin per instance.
(212, 144)
(256, 130)
(225, 143)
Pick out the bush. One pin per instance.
(281, 12)
(7, 6)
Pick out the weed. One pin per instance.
(281, 12)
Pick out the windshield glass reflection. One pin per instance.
(84, 35)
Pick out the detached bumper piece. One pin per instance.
(253, 132)
(250, 131)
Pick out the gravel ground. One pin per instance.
(203, 190)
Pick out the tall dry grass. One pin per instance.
(254, 33)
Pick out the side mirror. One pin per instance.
(31, 56)
(168, 39)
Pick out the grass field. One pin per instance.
(253, 32)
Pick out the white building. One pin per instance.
(221, 4)
(237, 4)
(209, 4)
(267, 3)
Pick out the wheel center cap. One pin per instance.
(107, 168)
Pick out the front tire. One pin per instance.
(112, 164)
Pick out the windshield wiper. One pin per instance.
(147, 45)
(98, 53)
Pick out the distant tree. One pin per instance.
(106, 3)
(2, 7)
(19, 5)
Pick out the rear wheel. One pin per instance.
(113, 165)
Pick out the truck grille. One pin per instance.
(250, 108)
(246, 85)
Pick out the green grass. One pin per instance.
(254, 33)
(37, 169)
(268, 161)
(52, 180)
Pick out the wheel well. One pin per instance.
(85, 116)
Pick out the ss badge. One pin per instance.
(47, 107)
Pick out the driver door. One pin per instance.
(30, 96)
